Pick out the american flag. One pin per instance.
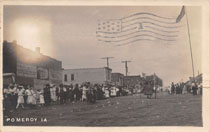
(137, 27)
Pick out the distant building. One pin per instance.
(117, 79)
(155, 79)
(198, 79)
(92, 75)
(132, 81)
(30, 67)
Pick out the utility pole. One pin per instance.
(107, 60)
(126, 67)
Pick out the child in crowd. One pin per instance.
(41, 97)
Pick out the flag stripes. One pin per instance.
(147, 18)
(148, 14)
(151, 27)
(147, 22)
(134, 33)
(135, 36)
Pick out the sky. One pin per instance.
(68, 34)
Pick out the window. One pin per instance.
(72, 77)
(42, 73)
(65, 78)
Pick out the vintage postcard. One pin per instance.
(105, 66)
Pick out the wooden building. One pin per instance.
(117, 79)
(30, 67)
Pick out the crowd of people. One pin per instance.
(182, 88)
(16, 96)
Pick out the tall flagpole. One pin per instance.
(190, 44)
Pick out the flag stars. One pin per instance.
(109, 26)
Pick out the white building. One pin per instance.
(92, 75)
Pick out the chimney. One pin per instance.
(37, 50)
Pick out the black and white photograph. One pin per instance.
(103, 65)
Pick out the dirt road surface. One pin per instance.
(135, 110)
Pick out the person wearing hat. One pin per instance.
(20, 100)
(84, 93)
(47, 97)
(76, 92)
(53, 92)
(201, 88)
(6, 101)
(71, 93)
(172, 88)
(31, 98)
(194, 88)
(41, 97)
(106, 92)
(148, 89)
(184, 91)
(61, 93)
(13, 95)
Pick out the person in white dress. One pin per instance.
(20, 100)
(31, 100)
(103, 88)
(53, 92)
(169, 90)
(34, 96)
(107, 93)
(84, 93)
(184, 91)
(199, 88)
(113, 91)
(41, 97)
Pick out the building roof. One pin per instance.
(29, 50)
(88, 68)
(117, 73)
(133, 76)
